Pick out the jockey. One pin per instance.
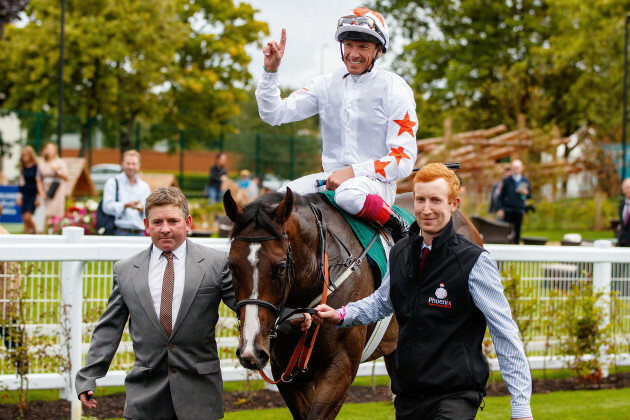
(368, 120)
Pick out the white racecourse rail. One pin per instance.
(66, 281)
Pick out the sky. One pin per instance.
(311, 48)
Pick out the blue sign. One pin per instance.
(8, 200)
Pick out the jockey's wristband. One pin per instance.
(265, 69)
(342, 314)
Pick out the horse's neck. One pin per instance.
(305, 249)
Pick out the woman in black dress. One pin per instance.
(30, 188)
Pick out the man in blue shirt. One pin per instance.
(444, 290)
(124, 196)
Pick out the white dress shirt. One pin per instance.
(126, 218)
(157, 265)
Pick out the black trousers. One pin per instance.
(456, 406)
(516, 219)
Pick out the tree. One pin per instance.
(289, 150)
(211, 66)
(130, 60)
(9, 11)
(483, 63)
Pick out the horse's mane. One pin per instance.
(260, 213)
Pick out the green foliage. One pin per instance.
(193, 184)
(249, 120)
(288, 157)
(9, 10)
(212, 63)
(576, 213)
(524, 306)
(129, 60)
(581, 316)
(484, 62)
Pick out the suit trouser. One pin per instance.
(516, 219)
(461, 405)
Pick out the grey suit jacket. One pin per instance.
(179, 376)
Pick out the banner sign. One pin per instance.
(8, 200)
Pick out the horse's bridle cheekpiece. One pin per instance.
(276, 310)
(302, 352)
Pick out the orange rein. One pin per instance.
(302, 352)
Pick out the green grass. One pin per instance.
(14, 227)
(566, 405)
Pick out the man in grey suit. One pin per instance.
(170, 293)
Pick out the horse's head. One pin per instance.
(261, 264)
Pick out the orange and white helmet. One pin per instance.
(363, 24)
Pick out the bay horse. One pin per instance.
(275, 258)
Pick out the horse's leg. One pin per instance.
(298, 395)
(334, 375)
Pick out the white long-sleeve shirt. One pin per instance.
(368, 122)
(126, 218)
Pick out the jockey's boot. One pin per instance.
(397, 226)
(377, 210)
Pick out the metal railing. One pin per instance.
(61, 273)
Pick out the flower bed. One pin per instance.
(80, 214)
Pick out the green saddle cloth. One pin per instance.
(365, 231)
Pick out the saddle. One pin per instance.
(365, 231)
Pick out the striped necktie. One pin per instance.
(166, 305)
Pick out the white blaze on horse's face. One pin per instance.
(251, 325)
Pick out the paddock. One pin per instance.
(66, 281)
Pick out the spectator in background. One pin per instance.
(124, 196)
(218, 174)
(493, 207)
(515, 189)
(247, 186)
(623, 229)
(30, 188)
(54, 172)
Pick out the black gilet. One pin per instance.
(440, 329)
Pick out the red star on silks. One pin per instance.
(379, 167)
(406, 125)
(398, 153)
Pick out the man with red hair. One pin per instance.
(368, 120)
(444, 290)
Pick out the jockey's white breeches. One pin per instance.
(351, 195)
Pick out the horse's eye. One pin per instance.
(281, 268)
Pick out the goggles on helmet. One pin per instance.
(360, 21)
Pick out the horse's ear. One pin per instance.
(232, 209)
(284, 209)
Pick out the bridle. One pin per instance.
(286, 284)
(302, 352)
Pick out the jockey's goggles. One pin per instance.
(360, 21)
